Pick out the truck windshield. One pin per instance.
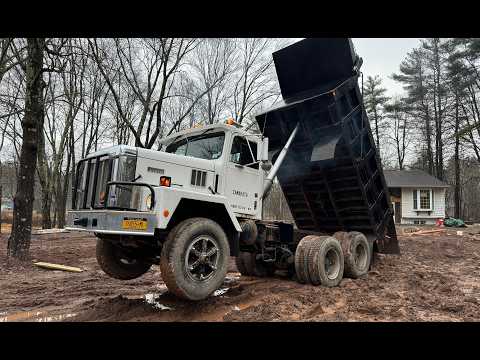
(208, 146)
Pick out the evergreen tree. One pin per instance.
(375, 100)
(414, 78)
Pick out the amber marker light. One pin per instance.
(166, 213)
(165, 181)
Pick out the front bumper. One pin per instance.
(110, 221)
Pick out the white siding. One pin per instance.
(409, 215)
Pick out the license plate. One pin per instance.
(135, 224)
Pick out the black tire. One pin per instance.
(248, 265)
(357, 253)
(115, 263)
(340, 235)
(182, 245)
(249, 233)
(313, 248)
(301, 259)
(242, 268)
(328, 261)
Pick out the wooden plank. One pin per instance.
(424, 232)
(57, 267)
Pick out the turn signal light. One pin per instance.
(165, 181)
(230, 121)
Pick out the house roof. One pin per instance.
(412, 178)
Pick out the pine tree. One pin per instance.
(435, 58)
(375, 100)
(414, 78)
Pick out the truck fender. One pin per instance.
(172, 198)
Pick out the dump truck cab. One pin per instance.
(126, 190)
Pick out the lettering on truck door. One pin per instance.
(242, 176)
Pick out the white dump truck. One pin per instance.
(198, 200)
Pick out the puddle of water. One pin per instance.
(55, 317)
(152, 300)
(38, 316)
(220, 292)
(229, 279)
(24, 315)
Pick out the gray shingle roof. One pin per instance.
(411, 178)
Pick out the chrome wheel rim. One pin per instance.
(332, 264)
(201, 258)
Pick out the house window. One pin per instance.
(422, 199)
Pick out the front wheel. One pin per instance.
(194, 259)
(117, 263)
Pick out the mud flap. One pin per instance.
(389, 244)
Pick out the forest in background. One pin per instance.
(93, 93)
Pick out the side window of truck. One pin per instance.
(241, 154)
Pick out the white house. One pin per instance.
(417, 197)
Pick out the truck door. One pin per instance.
(242, 180)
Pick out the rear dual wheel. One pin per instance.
(357, 253)
(319, 260)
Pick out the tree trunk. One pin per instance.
(46, 209)
(32, 124)
(457, 213)
(62, 196)
(429, 144)
(376, 128)
(1, 195)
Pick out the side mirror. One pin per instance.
(262, 150)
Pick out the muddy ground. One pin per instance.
(437, 278)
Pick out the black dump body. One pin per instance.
(332, 176)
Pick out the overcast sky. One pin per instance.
(382, 57)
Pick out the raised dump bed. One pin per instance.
(332, 176)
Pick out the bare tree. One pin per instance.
(254, 83)
(160, 61)
(214, 62)
(8, 60)
(400, 133)
(32, 124)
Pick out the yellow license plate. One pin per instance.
(135, 224)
